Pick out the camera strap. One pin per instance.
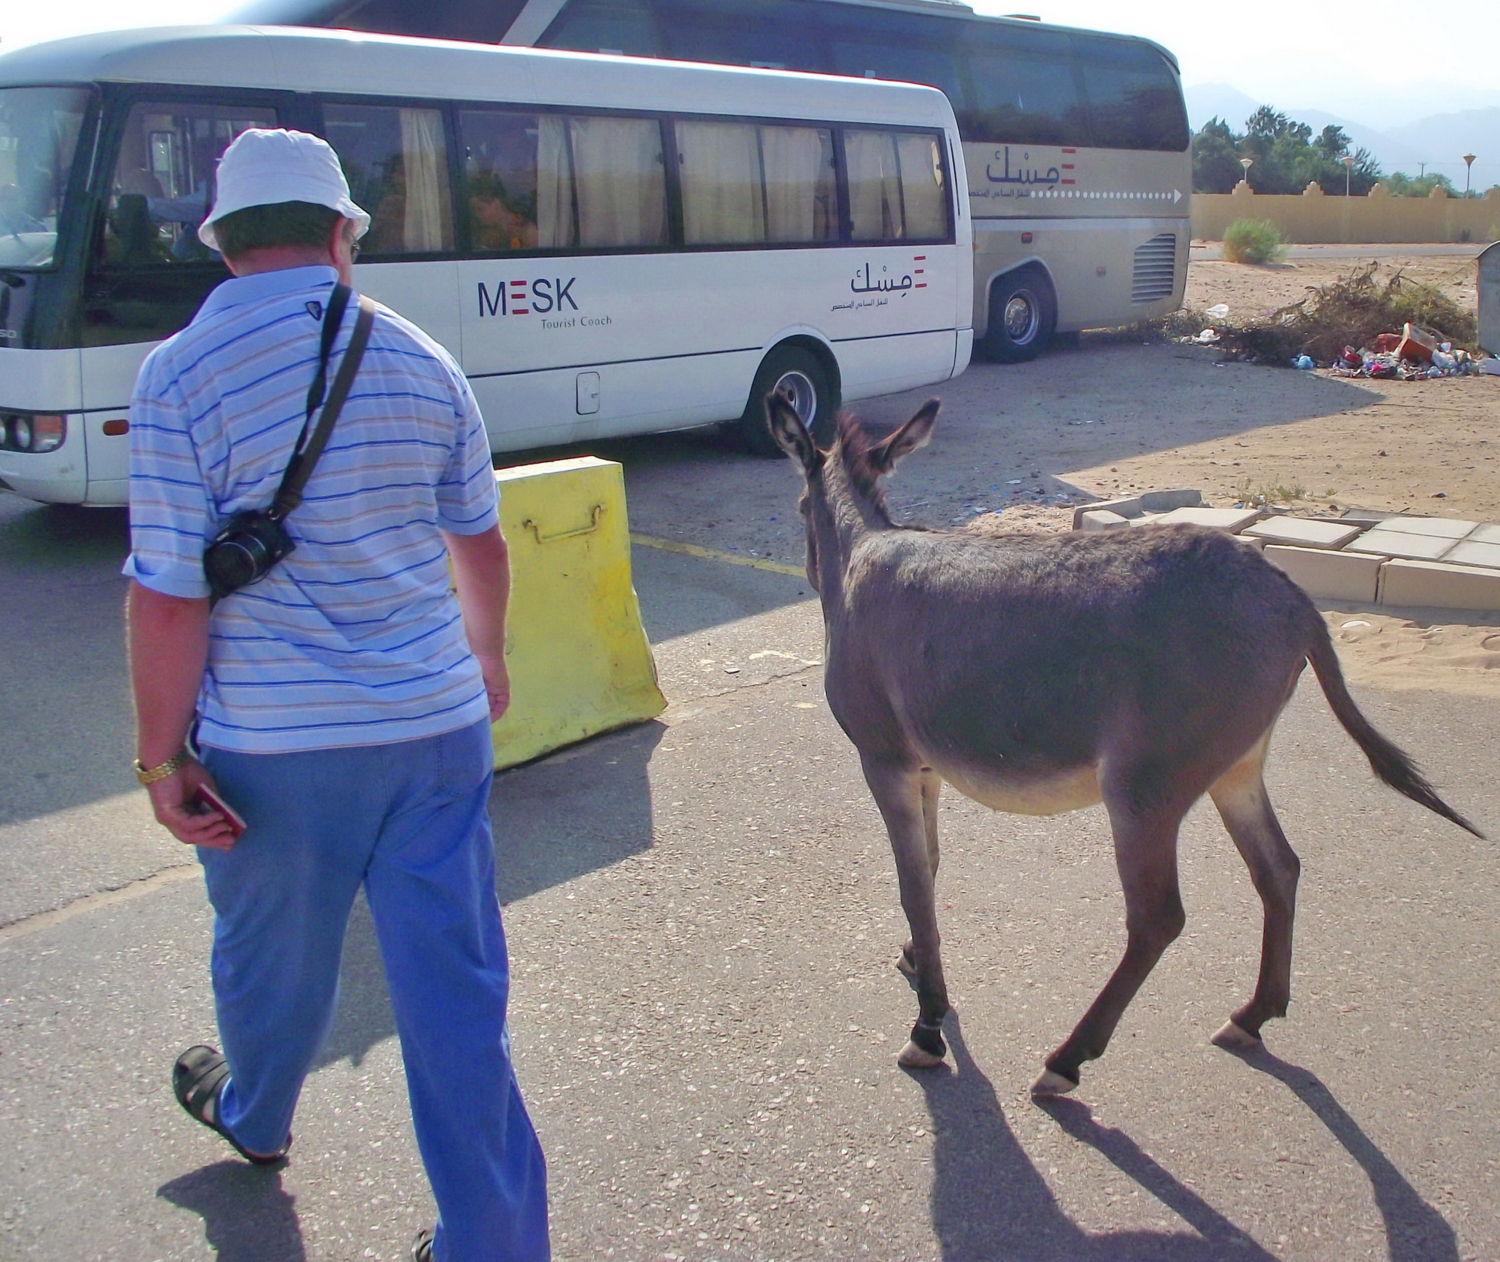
(304, 457)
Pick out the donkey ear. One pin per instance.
(907, 439)
(789, 433)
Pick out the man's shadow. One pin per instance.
(247, 1215)
(989, 1203)
(1414, 1230)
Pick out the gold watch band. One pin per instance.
(150, 775)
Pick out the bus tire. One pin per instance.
(814, 396)
(1023, 313)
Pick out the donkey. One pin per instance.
(1040, 674)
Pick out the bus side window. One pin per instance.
(1134, 102)
(163, 183)
(801, 188)
(745, 183)
(396, 161)
(723, 191)
(897, 190)
(871, 43)
(770, 34)
(1023, 93)
(604, 26)
(602, 181)
(500, 181)
(149, 271)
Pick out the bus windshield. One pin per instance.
(38, 133)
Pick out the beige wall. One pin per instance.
(1314, 217)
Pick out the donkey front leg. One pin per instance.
(1146, 856)
(1240, 795)
(900, 793)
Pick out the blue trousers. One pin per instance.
(409, 821)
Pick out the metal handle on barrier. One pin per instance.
(595, 513)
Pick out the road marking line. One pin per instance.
(711, 554)
(95, 902)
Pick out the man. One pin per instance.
(341, 703)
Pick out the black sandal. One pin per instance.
(197, 1079)
(421, 1247)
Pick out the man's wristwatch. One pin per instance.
(150, 775)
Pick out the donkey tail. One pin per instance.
(1390, 764)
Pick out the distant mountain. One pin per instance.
(1443, 139)
(1436, 142)
(1218, 100)
(1392, 154)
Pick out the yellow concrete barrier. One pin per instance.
(578, 656)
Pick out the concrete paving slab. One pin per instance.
(1436, 527)
(1484, 534)
(1328, 575)
(1230, 519)
(1101, 519)
(1392, 543)
(1166, 501)
(1127, 507)
(1405, 582)
(1302, 532)
(1472, 551)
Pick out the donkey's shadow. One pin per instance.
(1415, 1231)
(989, 1204)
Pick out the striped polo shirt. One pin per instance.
(355, 638)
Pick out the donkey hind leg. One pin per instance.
(1240, 795)
(1146, 856)
(931, 784)
(899, 793)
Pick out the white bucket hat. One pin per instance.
(265, 166)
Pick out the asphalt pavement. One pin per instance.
(703, 921)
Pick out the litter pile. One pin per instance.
(1414, 354)
(1350, 325)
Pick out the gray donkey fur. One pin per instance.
(1039, 674)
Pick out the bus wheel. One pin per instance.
(800, 374)
(1023, 313)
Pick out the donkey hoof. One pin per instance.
(1233, 1039)
(1050, 1085)
(914, 1057)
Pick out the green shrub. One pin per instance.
(1252, 241)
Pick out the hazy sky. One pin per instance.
(1356, 59)
(1370, 60)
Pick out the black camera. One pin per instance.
(244, 550)
(250, 543)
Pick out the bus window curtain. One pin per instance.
(428, 222)
(799, 183)
(555, 221)
(722, 183)
(874, 186)
(620, 181)
(923, 196)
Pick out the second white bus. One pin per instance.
(608, 246)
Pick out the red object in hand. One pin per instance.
(207, 800)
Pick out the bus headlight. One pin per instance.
(32, 431)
